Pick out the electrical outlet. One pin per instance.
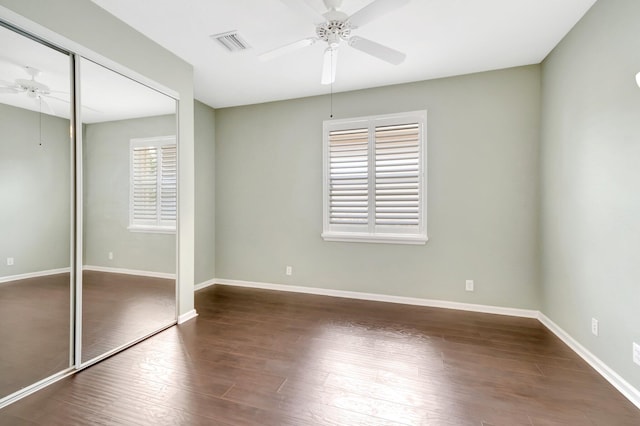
(594, 326)
(9, 261)
(110, 255)
(468, 285)
(636, 353)
(289, 270)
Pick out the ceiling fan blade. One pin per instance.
(92, 109)
(302, 8)
(8, 87)
(9, 90)
(67, 101)
(374, 10)
(283, 50)
(378, 50)
(57, 98)
(329, 65)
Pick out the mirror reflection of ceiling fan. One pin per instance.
(36, 90)
(335, 26)
(31, 88)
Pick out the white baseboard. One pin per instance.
(150, 274)
(630, 392)
(187, 316)
(34, 275)
(204, 284)
(526, 313)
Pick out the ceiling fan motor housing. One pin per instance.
(334, 31)
(32, 88)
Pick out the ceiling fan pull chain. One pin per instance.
(331, 92)
(331, 98)
(40, 120)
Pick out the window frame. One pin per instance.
(372, 232)
(160, 226)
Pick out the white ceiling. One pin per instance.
(440, 37)
(107, 96)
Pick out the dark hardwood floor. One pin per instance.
(120, 308)
(35, 321)
(256, 357)
(34, 330)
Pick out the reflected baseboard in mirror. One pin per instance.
(120, 308)
(34, 330)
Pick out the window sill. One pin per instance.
(377, 239)
(152, 229)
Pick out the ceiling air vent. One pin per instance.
(231, 41)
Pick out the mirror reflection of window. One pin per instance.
(153, 185)
(35, 212)
(129, 224)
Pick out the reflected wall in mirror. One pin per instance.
(35, 212)
(129, 211)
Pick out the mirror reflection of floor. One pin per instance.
(35, 321)
(34, 330)
(119, 308)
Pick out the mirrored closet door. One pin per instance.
(129, 166)
(88, 212)
(36, 213)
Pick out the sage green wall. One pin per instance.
(590, 175)
(205, 197)
(82, 23)
(483, 133)
(106, 198)
(35, 190)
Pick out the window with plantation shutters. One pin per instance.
(374, 179)
(153, 184)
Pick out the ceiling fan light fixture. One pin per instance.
(329, 66)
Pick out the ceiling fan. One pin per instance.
(335, 26)
(31, 87)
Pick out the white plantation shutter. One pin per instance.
(144, 184)
(349, 176)
(397, 157)
(374, 179)
(168, 184)
(153, 185)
